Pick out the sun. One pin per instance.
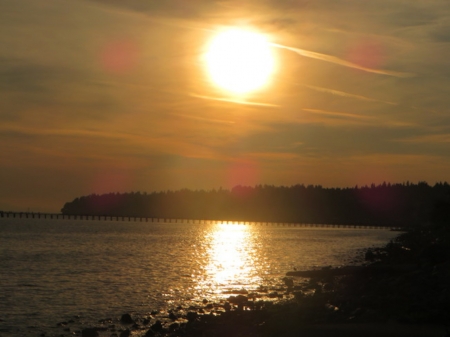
(240, 61)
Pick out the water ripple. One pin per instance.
(60, 268)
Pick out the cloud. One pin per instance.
(415, 14)
(66, 114)
(236, 101)
(63, 132)
(441, 31)
(346, 94)
(337, 114)
(430, 139)
(341, 62)
(175, 8)
(207, 120)
(303, 117)
(28, 77)
(323, 135)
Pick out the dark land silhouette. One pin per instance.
(405, 204)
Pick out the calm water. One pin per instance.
(52, 270)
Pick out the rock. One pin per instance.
(289, 282)
(239, 299)
(191, 316)
(331, 307)
(125, 333)
(263, 289)
(126, 319)
(369, 256)
(227, 306)
(273, 295)
(205, 301)
(157, 326)
(146, 321)
(89, 332)
(173, 327)
(172, 316)
(150, 333)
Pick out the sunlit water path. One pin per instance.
(54, 269)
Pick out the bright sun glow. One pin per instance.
(240, 61)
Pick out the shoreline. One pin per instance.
(402, 291)
(260, 319)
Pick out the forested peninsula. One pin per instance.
(387, 204)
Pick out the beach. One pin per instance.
(400, 291)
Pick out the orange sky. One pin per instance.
(114, 96)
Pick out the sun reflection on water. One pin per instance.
(231, 259)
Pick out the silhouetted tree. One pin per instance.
(388, 204)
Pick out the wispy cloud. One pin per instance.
(341, 62)
(346, 94)
(203, 119)
(336, 114)
(272, 156)
(436, 138)
(236, 101)
(120, 143)
(32, 131)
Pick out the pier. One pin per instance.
(60, 216)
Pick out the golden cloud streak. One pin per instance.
(203, 119)
(346, 94)
(235, 101)
(336, 114)
(341, 62)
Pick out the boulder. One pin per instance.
(239, 299)
(126, 319)
(191, 316)
(227, 306)
(157, 326)
(173, 327)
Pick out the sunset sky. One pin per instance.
(115, 96)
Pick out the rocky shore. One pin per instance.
(401, 290)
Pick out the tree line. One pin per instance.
(384, 204)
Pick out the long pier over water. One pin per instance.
(59, 216)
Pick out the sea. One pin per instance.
(52, 270)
